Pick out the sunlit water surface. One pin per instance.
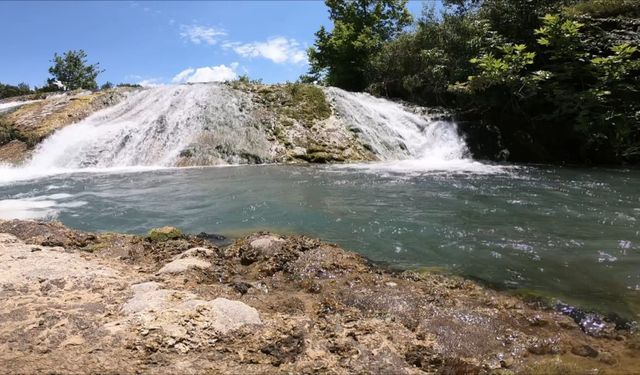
(573, 234)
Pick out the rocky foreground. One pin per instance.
(75, 302)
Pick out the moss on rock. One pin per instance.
(164, 234)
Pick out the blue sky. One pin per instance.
(163, 42)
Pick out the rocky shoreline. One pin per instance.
(77, 302)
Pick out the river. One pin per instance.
(570, 234)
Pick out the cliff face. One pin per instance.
(76, 302)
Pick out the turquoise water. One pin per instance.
(569, 233)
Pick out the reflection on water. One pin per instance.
(569, 233)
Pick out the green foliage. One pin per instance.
(517, 20)
(107, 85)
(245, 79)
(73, 71)
(8, 133)
(561, 35)
(605, 8)
(505, 70)
(124, 84)
(308, 103)
(7, 91)
(360, 27)
(421, 65)
(552, 87)
(617, 66)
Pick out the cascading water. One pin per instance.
(8, 106)
(405, 141)
(148, 129)
(151, 128)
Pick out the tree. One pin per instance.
(107, 85)
(360, 27)
(72, 70)
(7, 91)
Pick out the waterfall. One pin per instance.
(151, 128)
(393, 132)
(403, 140)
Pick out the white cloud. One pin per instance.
(279, 50)
(183, 75)
(151, 82)
(201, 34)
(219, 73)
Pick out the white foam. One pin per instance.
(405, 142)
(416, 167)
(10, 105)
(29, 208)
(10, 174)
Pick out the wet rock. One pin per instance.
(203, 253)
(607, 358)
(507, 362)
(214, 238)
(591, 323)
(287, 349)
(457, 366)
(423, 357)
(538, 321)
(326, 262)
(242, 287)
(311, 286)
(544, 347)
(14, 152)
(35, 121)
(584, 350)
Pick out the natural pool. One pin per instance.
(569, 233)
